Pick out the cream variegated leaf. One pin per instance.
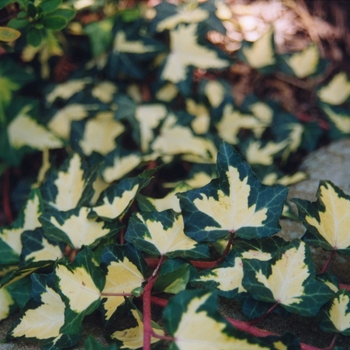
(337, 91)
(124, 273)
(327, 220)
(75, 227)
(335, 316)
(28, 220)
(100, 134)
(132, 338)
(304, 63)
(191, 317)
(186, 52)
(233, 121)
(24, 131)
(261, 53)
(81, 283)
(162, 233)
(6, 303)
(287, 279)
(236, 202)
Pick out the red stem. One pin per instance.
(146, 301)
(6, 197)
(325, 266)
(331, 346)
(256, 320)
(159, 301)
(344, 286)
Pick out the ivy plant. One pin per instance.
(152, 186)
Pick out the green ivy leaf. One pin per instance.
(125, 271)
(4, 3)
(287, 279)
(75, 228)
(327, 220)
(163, 234)
(335, 316)
(191, 317)
(235, 202)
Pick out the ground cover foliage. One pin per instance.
(146, 162)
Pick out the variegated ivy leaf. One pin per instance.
(70, 186)
(96, 134)
(13, 77)
(167, 92)
(60, 123)
(174, 274)
(304, 63)
(131, 50)
(149, 117)
(335, 316)
(66, 90)
(177, 139)
(21, 273)
(201, 123)
(339, 120)
(28, 220)
(25, 131)
(118, 163)
(216, 91)
(170, 201)
(80, 283)
(261, 53)
(192, 318)
(163, 234)
(337, 91)
(132, 338)
(225, 278)
(36, 247)
(327, 220)
(186, 52)
(235, 202)
(116, 199)
(232, 121)
(43, 317)
(287, 279)
(75, 227)
(258, 153)
(125, 272)
(169, 16)
(7, 303)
